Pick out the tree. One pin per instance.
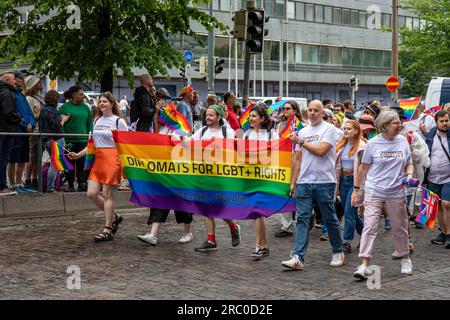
(425, 52)
(108, 35)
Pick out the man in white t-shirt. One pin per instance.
(420, 122)
(124, 107)
(215, 129)
(315, 159)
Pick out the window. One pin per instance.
(355, 18)
(409, 22)
(373, 58)
(319, 13)
(309, 12)
(423, 24)
(216, 5)
(268, 7)
(291, 10)
(310, 53)
(324, 55)
(300, 10)
(272, 50)
(386, 20)
(298, 53)
(416, 23)
(387, 59)
(335, 55)
(337, 16)
(291, 53)
(401, 21)
(346, 17)
(221, 48)
(352, 57)
(328, 14)
(225, 5)
(362, 19)
(279, 8)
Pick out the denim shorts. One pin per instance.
(442, 190)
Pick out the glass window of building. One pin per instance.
(409, 22)
(216, 4)
(386, 20)
(355, 18)
(423, 24)
(337, 16)
(335, 55)
(221, 48)
(310, 53)
(324, 55)
(373, 58)
(291, 10)
(363, 19)
(268, 7)
(328, 14)
(387, 59)
(352, 56)
(401, 21)
(298, 53)
(319, 13)
(225, 5)
(300, 11)
(416, 23)
(271, 50)
(238, 5)
(291, 53)
(279, 8)
(346, 17)
(309, 12)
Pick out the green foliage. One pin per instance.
(425, 52)
(113, 34)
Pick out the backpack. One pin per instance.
(224, 131)
(57, 185)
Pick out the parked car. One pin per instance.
(438, 92)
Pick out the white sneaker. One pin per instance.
(188, 237)
(395, 255)
(294, 263)
(148, 238)
(407, 266)
(337, 259)
(361, 272)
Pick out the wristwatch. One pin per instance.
(301, 143)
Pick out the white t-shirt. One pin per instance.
(388, 159)
(123, 105)
(315, 169)
(102, 134)
(339, 134)
(212, 133)
(440, 165)
(262, 135)
(346, 161)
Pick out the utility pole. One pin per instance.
(251, 5)
(394, 95)
(211, 55)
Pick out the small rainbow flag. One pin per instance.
(243, 120)
(277, 105)
(58, 159)
(293, 126)
(90, 155)
(409, 106)
(174, 120)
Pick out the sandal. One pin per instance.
(115, 224)
(104, 236)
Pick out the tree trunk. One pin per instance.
(106, 82)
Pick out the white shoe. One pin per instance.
(395, 255)
(188, 237)
(407, 266)
(148, 238)
(294, 263)
(337, 259)
(361, 272)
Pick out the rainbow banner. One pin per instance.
(292, 126)
(243, 120)
(409, 106)
(90, 155)
(174, 120)
(59, 161)
(219, 178)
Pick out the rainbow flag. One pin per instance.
(59, 161)
(428, 209)
(243, 120)
(409, 106)
(174, 120)
(218, 178)
(276, 106)
(292, 126)
(90, 155)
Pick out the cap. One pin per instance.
(366, 122)
(163, 93)
(374, 109)
(328, 112)
(219, 110)
(31, 81)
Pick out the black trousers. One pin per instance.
(78, 165)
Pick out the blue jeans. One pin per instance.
(5, 149)
(352, 219)
(323, 195)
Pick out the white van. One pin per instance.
(302, 102)
(438, 92)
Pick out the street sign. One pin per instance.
(188, 56)
(392, 84)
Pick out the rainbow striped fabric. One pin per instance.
(292, 126)
(409, 106)
(428, 209)
(90, 155)
(59, 161)
(243, 120)
(174, 120)
(219, 178)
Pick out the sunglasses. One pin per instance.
(288, 108)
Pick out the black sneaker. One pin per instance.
(82, 187)
(346, 247)
(207, 246)
(283, 233)
(440, 239)
(258, 253)
(236, 236)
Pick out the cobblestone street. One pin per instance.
(36, 253)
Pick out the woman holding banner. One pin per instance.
(259, 130)
(107, 170)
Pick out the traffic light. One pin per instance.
(352, 81)
(218, 67)
(240, 25)
(256, 31)
(183, 73)
(202, 67)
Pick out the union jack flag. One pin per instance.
(428, 209)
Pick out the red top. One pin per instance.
(232, 119)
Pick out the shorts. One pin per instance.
(160, 215)
(20, 150)
(442, 190)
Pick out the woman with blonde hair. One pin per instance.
(107, 170)
(349, 152)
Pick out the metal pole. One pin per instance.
(211, 55)
(39, 165)
(229, 50)
(251, 5)
(254, 76)
(394, 95)
(287, 52)
(262, 74)
(236, 66)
